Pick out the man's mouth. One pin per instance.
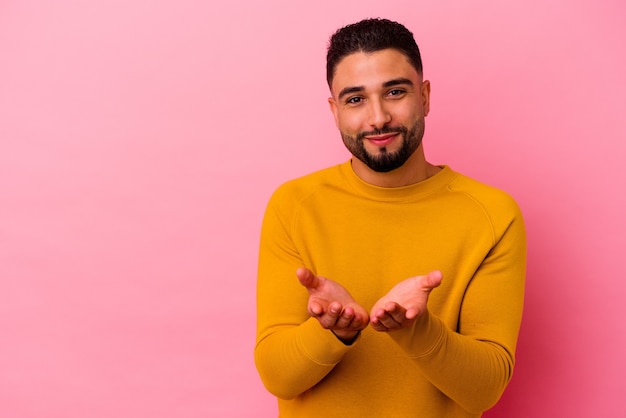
(382, 140)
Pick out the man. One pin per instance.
(388, 286)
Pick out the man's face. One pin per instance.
(379, 102)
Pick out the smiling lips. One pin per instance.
(382, 140)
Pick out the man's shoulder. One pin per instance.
(300, 188)
(489, 197)
(319, 177)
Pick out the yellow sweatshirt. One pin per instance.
(453, 362)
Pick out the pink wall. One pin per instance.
(140, 140)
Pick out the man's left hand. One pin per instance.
(406, 302)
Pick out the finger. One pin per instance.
(346, 319)
(307, 278)
(335, 309)
(357, 323)
(328, 318)
(378, 325)
(374, 322)
(396, 312)
(433, 279)
(327, 321)
(387, 321)
(360, 320)
(411, 313)
(394, 309)
(316, 309)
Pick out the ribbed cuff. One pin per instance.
(422, 338)
(321, 345)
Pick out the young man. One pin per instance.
(388, 286)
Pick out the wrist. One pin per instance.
(348, 338)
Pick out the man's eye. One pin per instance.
(395, 92)
(354, 100)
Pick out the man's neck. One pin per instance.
(414, 170)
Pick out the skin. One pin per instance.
(374, 92)
(333, 306)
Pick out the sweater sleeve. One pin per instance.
(473, 364)
(293, 352)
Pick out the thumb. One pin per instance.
(429, 282)
(307, 278)
(433, 280)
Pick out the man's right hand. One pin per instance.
(333, 306)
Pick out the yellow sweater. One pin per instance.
(456, 360)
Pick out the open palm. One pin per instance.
(405, 302)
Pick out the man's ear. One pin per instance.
(426, 96)
(333, 108)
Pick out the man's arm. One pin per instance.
(296, 313)
(473, 364)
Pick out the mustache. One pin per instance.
(382, 131)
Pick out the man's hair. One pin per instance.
(371, 35)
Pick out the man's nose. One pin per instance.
(379, 116)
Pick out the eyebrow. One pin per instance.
(397, 82)
(349, 90)
(390, 83)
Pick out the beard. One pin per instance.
(386, 161)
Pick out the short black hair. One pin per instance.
(371, 35)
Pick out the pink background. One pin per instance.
(140, 141)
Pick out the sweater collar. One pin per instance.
(404, 193)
